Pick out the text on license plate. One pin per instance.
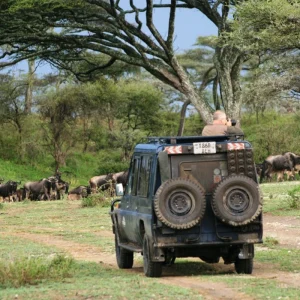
(204, 147)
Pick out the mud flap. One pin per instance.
(156, 254)
(159, 255)
(246, 252)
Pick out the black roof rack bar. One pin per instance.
(185, 139)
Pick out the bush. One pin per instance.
(99, 199)
(270, 242)
(111, 162)
(31, 271)
(293, 199)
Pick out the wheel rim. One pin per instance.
(237, 201)
(181, 203)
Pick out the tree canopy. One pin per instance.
(64, 32)
(267, 25)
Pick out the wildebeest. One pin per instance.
(79, 192)
(18, 195)
(59, 187)
(8, 189)
(121, 177)
(36, 190)
(258, 168)
(279, 164)
(102, 182)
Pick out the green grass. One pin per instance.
(258, 288)
(277, 199)
(95, 281)
(33, 270)
(12, 247)
(69, 221)
(285, 259)
(80, 167)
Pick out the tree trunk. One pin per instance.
(182, 117)
(29, 89)
(189, 90)
(228, 62)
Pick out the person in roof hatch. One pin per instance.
(221, 126)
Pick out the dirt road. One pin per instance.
(283, 229)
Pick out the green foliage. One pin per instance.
(24, 271)
(100, 199)
(267, 24)
(275, 198)
(43, 4)
(294, 197)
(1, 206)
(274, 134)
(270, 241)
(110, 162)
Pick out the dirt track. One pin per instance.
(283, 229)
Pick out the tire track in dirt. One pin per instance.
(209, 290)
(273, 226)
(84, 252)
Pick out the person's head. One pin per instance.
(219, 117)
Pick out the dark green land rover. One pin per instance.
(189, 197)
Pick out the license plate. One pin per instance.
(204, 147)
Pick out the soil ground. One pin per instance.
(284, 229)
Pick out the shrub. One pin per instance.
(99, 199)
(270, 241)
(293, 199)
(23, 271)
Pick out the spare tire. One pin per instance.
(180, 203)
(237, 200)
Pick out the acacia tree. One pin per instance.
(12, 105)
(59, 116)
(269, 28)
(29, 88)
(126, 34)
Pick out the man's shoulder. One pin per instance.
(234, 130)
(214, 129)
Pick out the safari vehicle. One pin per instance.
(189, 197)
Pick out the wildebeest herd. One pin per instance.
(54, 188)
(278, 166)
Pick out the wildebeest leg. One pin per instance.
(280, 175)
(266, 171)
(27, 192)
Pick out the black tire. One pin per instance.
(124, 257)
(244, 266)
(237, 200)
(151, 269)
(180, 203)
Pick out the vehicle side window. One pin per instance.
(135, 175)
(144, 173)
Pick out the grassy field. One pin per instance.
(277, 199)
(91, 227)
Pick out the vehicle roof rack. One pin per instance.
(185, 139)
